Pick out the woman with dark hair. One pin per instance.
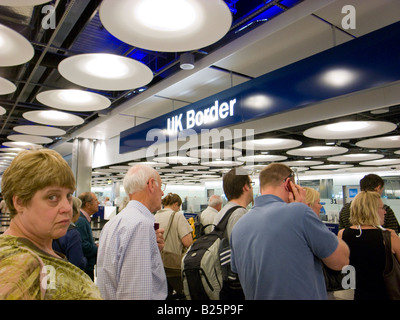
(178, 237)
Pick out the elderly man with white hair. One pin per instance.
(208, 215)
(129, 264)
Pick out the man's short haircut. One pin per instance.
(137, 177)
(233, 183)
(214, 200)
(370, 182)
(274, 174)
(85, 197)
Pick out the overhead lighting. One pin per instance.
(331, 166)
(6, 87)
(338, 77)
(317, 151)
(166, 25)
(73, 100)
(52, 117)
(176, 159)
(105, 71)
(380, 143)
(268, 144)
(262, 158)
(187, 61)
(22, 3)
(39, 130)
(29, 138)
(21, 145)
(350, 129)
(2, 111)
(356, 157)
(257, 101)
(14, 48)
(380, 162)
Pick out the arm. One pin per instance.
(187, 240)
(395, 244)
(339, 258)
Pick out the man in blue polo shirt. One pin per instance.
(279, 246)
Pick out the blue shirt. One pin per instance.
(276, 250)
(129, 264)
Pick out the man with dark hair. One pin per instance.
(371, 182)
(238, 189)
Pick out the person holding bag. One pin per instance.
(366, 240)
(177, 237)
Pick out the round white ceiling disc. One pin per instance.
(53, 117)
(166, 25)
(380, 162)
(302, 163)
(317, 151)
(380, 143)
(268, 144)
(176, 160)
(350, 129)
(21, 145)
(14, 48)
(39, 130)
(105, 71)
(356, 157)
(73, 100)
(207, 154)
(2, 111)
(29, 138)
(262, 158)
(221, 163)
(22, 3)
(6, 87)
(331, 166)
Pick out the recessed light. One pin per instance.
(52, 117)
(338, 77)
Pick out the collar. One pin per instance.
(86, 215)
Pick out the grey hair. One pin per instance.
(214, 200)
(137, 177)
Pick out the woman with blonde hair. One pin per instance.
(367, 249)
(178, 237)
(37, 188)
(313, 200)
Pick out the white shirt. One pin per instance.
(207, 217)
(129, 264)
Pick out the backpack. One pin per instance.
(201, 266)
(199, 227)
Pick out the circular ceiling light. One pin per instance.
(22, 3)
(332, 166)
(166, 25)
(195, 167)
(356, 157)
(105, 71)
(317, 151)
(73, 100)
(14, 48)
(380, 143)
(149, 163)
(29, 138)
(302, 163)
(2, 111)
(221, 163)
(6, 87)
(268, 144)
(207, 154)
(350, 129)
(52, 117)
(39, 130)
(176, 160)
(338, 77)
(262, 158)
(380, 162)
(21, 145)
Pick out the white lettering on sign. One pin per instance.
(197, 119)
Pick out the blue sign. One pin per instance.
(371, 60)
(353, 193)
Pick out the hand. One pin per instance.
(298, 194)
(160, 238)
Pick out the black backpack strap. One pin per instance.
(224, 221)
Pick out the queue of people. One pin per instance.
(279, 248)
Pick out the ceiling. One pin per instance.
(265, 36)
